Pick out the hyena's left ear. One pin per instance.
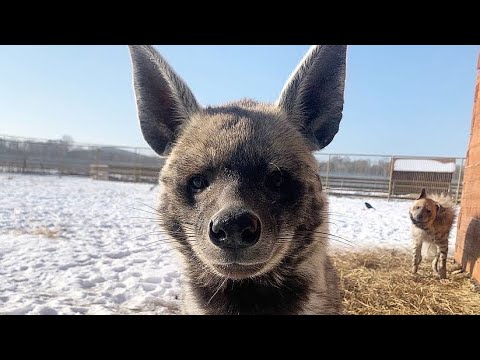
(164, 101)
(313, 96)
(422, 195)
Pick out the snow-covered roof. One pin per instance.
(423, 165)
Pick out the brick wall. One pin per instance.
(467, 248)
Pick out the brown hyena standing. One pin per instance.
(240, 191)
(432, 219)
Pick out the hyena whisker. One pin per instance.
(344, 243)
(335, 217)
(329, 212)
(334, 221)
(301, 232)
(163, 241)
(150, 207)
(215, 293)
(331, 223)
(138, 236)
(318, 240)
(143, 235)
(326, 235)
(142, 217)
(337, 237)
(151, 234)
(145, 211)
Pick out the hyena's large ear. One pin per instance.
(423, 195)
(313, 95)
(164, 101)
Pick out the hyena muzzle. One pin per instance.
(432, 218)
(240, 190)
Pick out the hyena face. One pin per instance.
(240, 190)
(423, 210)
(242, 180)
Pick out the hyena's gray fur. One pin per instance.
(432, 218)
(247, 156)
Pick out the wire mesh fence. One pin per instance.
(349, 174)
(32, 156)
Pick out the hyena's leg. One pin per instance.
(417, 255)
(435, 262)
(442, 260)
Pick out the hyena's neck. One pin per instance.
(264, 295)
(419, 225)
(304, 284)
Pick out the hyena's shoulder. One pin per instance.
(325, 297)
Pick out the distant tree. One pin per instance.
(67, 140)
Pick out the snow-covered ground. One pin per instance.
(79, 246)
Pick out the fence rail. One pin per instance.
(352, 174)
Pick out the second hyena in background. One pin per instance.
(432, 218)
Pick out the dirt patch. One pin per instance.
(52, 233)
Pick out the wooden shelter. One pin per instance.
(411, 175)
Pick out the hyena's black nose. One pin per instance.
(235, 229)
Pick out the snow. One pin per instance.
(72, 245)
(423, 165)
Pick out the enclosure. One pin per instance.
(352, 174)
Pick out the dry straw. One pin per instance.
(378, 282)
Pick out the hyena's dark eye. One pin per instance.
(198, 183)
(275, 180)
(429, 211)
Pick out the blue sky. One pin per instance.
(407, 100)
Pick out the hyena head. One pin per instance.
(424, 211)
(240, 189)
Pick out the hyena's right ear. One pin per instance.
(313, 96)
(164, 101)
(423, 195)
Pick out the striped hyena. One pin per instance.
(432, 219)
(240, 191)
